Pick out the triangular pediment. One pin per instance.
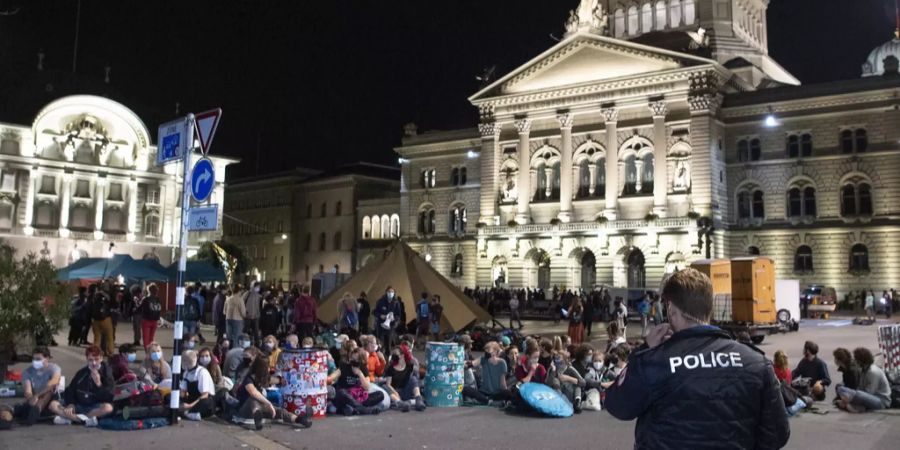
(587, 58)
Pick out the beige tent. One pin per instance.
(404, 270)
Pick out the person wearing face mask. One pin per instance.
(252, 306)
(694, 384)
(492, 388)
(271, 350)
(89, 395)
(234, 356)
(292, 342)
(157, 371)
(198, 387)
(270, 317)
(190, 312)
(375, 361)
(582, 363)
(388, 314)
(192, 343)
(150, 311)
(206, 359)
(235, 311)
(252, 399)
(352, 386)
(565, 379)
(305, 314)
(402, 382)
(39, 381)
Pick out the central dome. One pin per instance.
(875, 63)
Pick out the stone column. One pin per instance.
(638, 173)
(490, 188)
(64, 200)
(565, 167)
(548, 172)
(612, 162)
(660, 153)
(704, 100)
(132, 210)
(592, 169)
(524, 150)
(99, 199)
(29, 206)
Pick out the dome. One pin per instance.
(875, 62)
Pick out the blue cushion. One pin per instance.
(545, 400)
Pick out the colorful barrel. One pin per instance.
(445, 375)
(305, 373)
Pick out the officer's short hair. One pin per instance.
(691, 292)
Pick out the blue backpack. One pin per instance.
(424, 313)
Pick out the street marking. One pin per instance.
(836, 323)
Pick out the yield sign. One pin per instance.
(206, 123)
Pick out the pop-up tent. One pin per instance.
(124, 265)
(201, 271)
(403, 269)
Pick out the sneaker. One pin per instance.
(91, 422)
(60, 420)
(305, 420)
(420, 404)
(83, 418)
(348, 410)
(577, 406)
(258, 420)
(193, 416)
(403, 406)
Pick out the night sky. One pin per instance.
(320, 83)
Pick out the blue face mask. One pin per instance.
(156, 356)
(131, 357)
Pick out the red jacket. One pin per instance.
(305, 310)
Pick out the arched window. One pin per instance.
(376, 227)
(755, 150)
(865, 200)
(743, 146)
(743, 204)
(751, 204)
(803, 259)
(337, 208)
(322, 239)
(395, 226)
(367, 227)
(793, 146)
(753, 250)
(463, 176)
(337, 241)
(690, 13)
(848, 200)
(660, 15)
(809, 201)
(795, 203)
(847, 141)
(426, 221)
(151, 225)
(458, 220)
(600, 176)
(584, 179)
(647, 174)
(385, 227)
(619, 19)
(806, 145)
(675, 13)
(859, 258)
(633, 23)
(324, 210)
(457, 269)
(646, 18)
(630, 176)
(759, 206)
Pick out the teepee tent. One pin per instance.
(403, 269)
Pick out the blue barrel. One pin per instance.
(445, 374)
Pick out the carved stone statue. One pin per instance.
(586, 10)
(589, 16)
(682, 180)
(572, 22)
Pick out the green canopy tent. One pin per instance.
(124, 265)
(202, 271)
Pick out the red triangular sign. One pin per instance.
(205, 125)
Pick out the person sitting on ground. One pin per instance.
(565, 379)
(546, 357)
(375, 362)
(782, 371)
(352, 385)
(402, 381)
(410, 341)
(848, 367)
(192, 342)
(616, 361)
(121, 371)
(129, 352)
(874, 391)
(814, 369)
(615, 335)
(89, 395)
(198, 400)
(271, 350)
(582, 361)
(494, 369)
(40, 381)
(292, 342)
(156, 371)
(596, 371)
(511, 357)
(530, 370)
(234, 357)
(206, 359)
(252, 398)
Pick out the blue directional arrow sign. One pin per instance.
(203, 179)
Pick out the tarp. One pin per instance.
(201, 271)
(124, 265)
(410, 275)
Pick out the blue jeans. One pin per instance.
(190, 328)
(861, 398)
(234, 328)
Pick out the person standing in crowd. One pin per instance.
(514, 312)
(218, 312)
(270, 317)
(200, 294)
(305, 314)
(620, 312)
(79, 318)
(39, 382)
(870, 306)
(849, 369)
(644, 311)
(614, 336)
(887, 304)
(235, 311)
(387, 315)
(874, 391)
(348, 315)
(437, 311)
(101, 321)
(589, 301)
(150, 311)
(131, 309)
(813, 368)
(576, 321)
(423, 316)
(190, 312)
(252, 307)
(678, 401)
(89, 395)
(365, 311)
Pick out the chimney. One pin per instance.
(410, 129)
(40, 55)
(106, 71)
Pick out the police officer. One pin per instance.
(693, 386)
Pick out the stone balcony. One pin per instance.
(674, 223)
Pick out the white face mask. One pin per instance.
(205, 360)
(598, 365)
(38, 364)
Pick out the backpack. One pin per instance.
(424, 311)
(100, 307)
(191, 310)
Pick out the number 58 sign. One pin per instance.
(203, 218)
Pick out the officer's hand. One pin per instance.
(659, 334)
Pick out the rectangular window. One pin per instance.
(48, 184)
(115, 192)
(8, 184)
(83, 189)
(153, 195)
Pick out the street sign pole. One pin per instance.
(175, 399)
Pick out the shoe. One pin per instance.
(577, 406)
(91, 422)
(403, 406)
(193, 416)
(371, 410)
(420, 404)
(33, 414)
(258, 420)
(348, 411)
(305, 420)
(60, 420)
(83, 418)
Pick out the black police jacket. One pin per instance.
(700, 389)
